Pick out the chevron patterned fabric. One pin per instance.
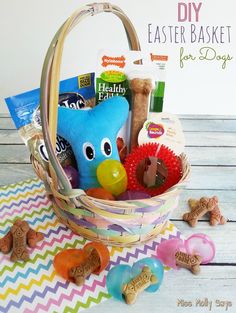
(34, 286)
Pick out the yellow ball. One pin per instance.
(112, 176)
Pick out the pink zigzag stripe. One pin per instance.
(54, 240)
(26, 208)
(70, 297)
(22, 201)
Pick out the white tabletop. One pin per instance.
(211, 147)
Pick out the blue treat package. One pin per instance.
(76, 93)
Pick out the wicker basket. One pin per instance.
(121, 223)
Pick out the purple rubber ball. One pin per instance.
(133, 195)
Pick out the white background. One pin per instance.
(27, 27)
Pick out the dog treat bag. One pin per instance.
(76, 93)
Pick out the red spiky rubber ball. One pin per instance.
(170, 162)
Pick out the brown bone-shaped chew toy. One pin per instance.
(141, 90)
(6, 243)
(199, 209)
(33, 237)
(139, 283)
(191, 262)
(19, 231)
(81, 272)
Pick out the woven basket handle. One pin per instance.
(49, 89)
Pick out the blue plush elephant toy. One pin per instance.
(92, 135)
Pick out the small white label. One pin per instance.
(163, 128)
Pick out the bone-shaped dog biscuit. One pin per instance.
(215, 215)
(141, 90)
(33, 237)
(216, 218)
(81, 272)
(19, 231)
(17, 238)
(131, 290)
(199, 209)
(191, 262)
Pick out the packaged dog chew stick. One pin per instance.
(76, 93)
(141, 85)
(119, 73)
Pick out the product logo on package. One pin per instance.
(72, 100)
(156, 57)
(115, 61)
(197, 42)
(155, 130)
